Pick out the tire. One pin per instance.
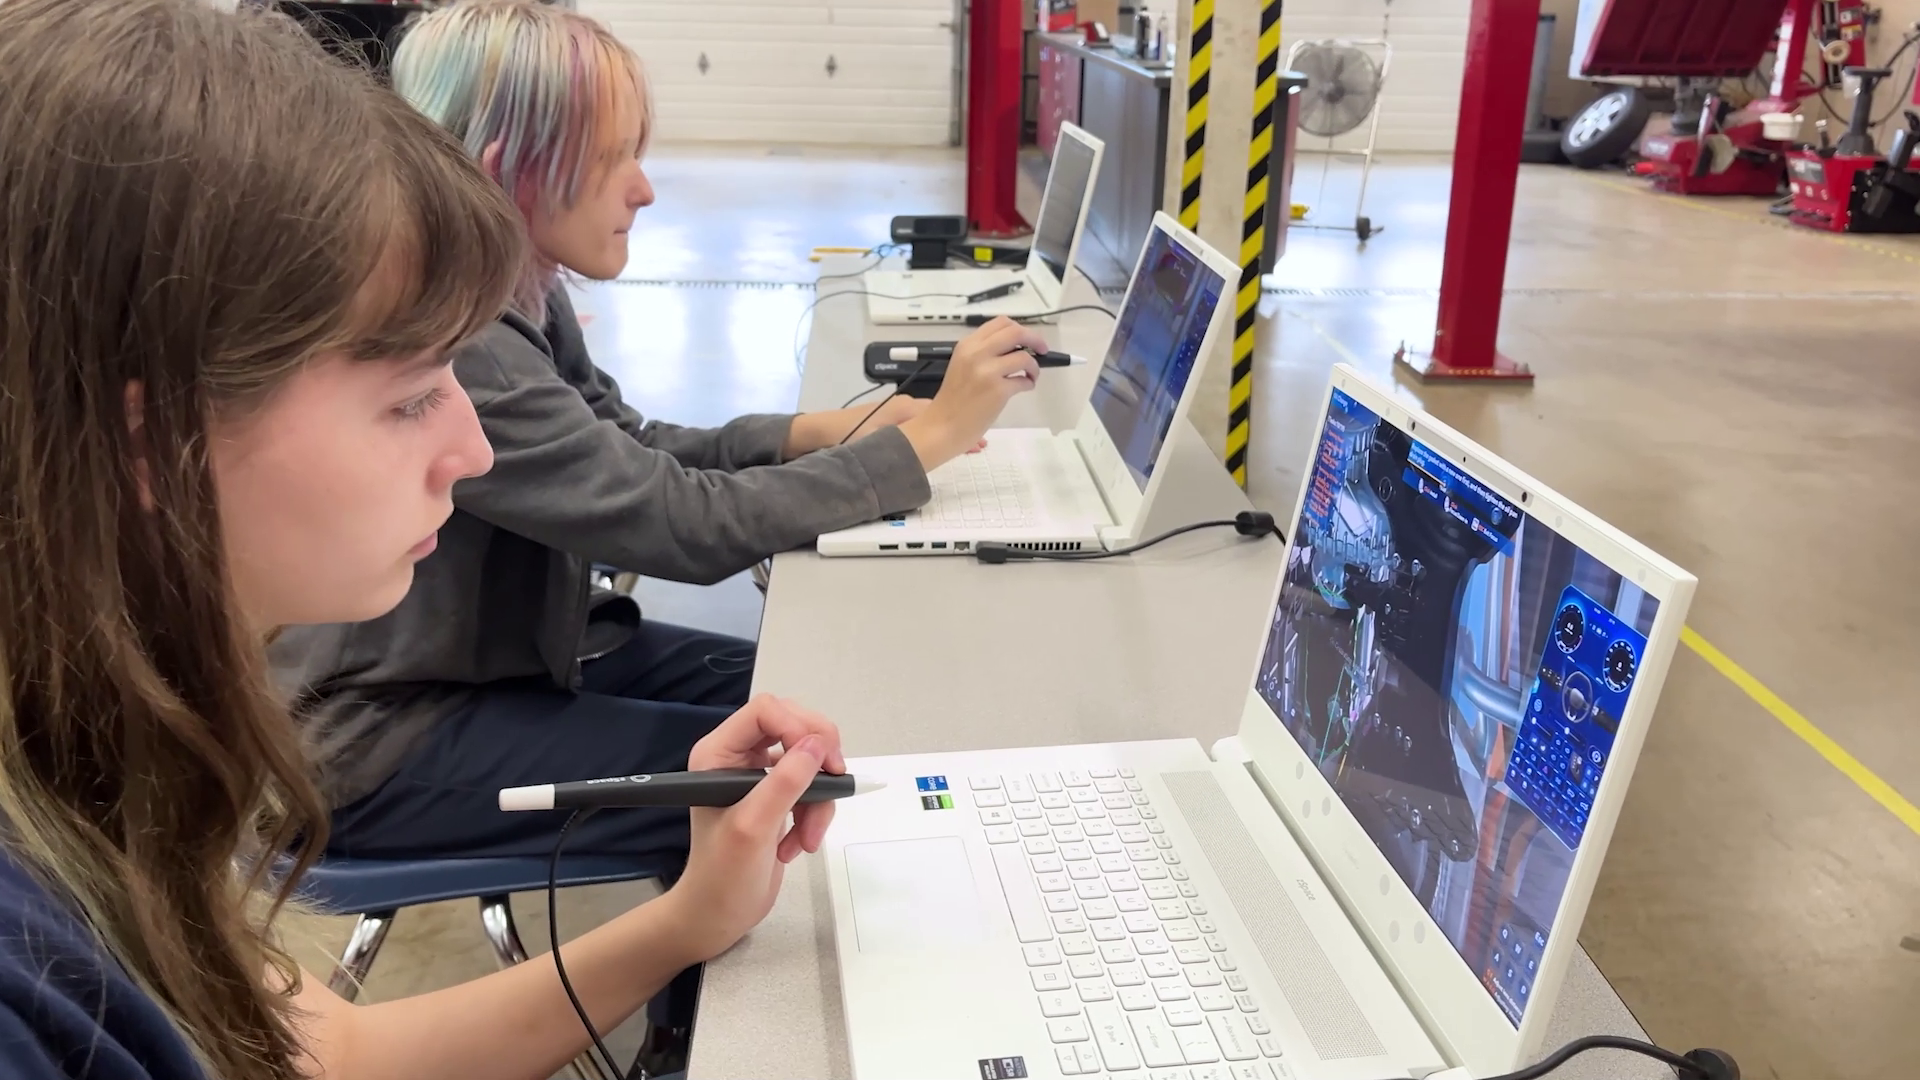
(1605, 130)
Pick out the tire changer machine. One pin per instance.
(1848, 186)
(1713, 148)
(1837, 186)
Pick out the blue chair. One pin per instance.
(376, 890)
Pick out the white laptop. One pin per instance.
(1383, 874)
(1089, 487)
(940, 296)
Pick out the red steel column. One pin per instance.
(993, 117)
(1486, 168)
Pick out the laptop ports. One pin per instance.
(939, 545)
(889, 547)
(962, 545)
(915, 545)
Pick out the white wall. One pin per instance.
(1420, 105)
(766, 78)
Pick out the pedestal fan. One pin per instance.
(1344, 80)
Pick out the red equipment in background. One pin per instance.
(1848, 186)
(1715, 149)
(993, 118)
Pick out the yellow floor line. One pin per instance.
(1879, 790)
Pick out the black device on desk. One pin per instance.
(928, 237)
(923, 366)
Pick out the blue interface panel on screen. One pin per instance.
(1457, 670)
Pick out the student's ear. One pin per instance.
(523, 197)
(134, 401)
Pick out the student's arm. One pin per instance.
(517, 1024)
(574, 480)
(741, 443)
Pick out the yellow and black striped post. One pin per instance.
(1253, 236)
(1199, 82)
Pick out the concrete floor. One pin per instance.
(1731, 392)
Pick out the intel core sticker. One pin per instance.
(930, 783)
(1007, 1068)
(936, 802)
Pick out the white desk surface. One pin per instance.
(913, 655)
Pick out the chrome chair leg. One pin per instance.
(496, 917)
(356, 960)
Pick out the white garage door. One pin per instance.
(875, 72)
(1420, 104)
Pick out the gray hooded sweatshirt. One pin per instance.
(579, 478)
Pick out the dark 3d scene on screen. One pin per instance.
(1458, 671)
(1154, 348)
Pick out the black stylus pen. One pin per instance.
(709, 787)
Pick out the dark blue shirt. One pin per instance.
(67, 1009)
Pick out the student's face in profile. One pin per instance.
(590, 237)
(331, 491)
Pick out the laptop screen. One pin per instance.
(1156, 342)
(1060, 214)
(1457, 670)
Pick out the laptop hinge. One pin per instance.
(1080, 448)
(1232, 750)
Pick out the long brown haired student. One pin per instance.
(230, 275)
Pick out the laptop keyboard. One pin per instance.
(1125, 962)
(979, 491)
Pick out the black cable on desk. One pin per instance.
(911, 375)
(1249, 523)
(800, 365)
(1702, 1064)
(847, 404)
(982, 320)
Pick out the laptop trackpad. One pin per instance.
(912, 895)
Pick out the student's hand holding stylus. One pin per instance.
(977, 387)
(739, 854)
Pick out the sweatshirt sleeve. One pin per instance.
(576, 477)
(23, 1056)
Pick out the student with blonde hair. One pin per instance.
(231, 273)
(503, 667)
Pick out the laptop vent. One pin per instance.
(1327, 1013)
(1049, 545)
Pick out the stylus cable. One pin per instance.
(1702, 1064)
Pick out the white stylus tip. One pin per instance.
(1078, 359)
(903, 352)
(537, 797)
(867, 787)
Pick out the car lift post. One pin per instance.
(994, 86)
(1486, 170)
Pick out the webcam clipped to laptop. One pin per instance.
(901, 297)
